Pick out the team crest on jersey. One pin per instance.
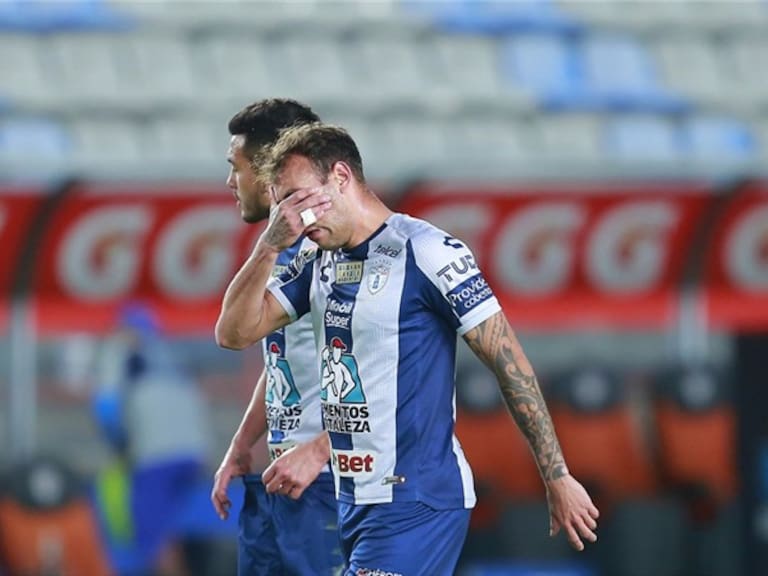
(341, 380)
(378, 276)
(280, 385)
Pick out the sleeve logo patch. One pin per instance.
(458, 267)
(469, 294)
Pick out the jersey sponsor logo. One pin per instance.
(281, 396)
(457, 268)
(341, 380)
(277, 449)
(343, 400)
(353, 463)
(338, 314)
(469, 294)
(349, 272)
(378, 276)
(385, 250)
(375, 572)
(345, 418)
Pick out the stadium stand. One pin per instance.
(627, 91)
(47, 523)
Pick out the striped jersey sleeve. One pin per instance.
(291, 285)
(451, 268)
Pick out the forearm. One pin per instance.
(321, 445)
(254, 422)
(242, 310)
(494, 342)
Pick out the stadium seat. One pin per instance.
(47, 525)
(219, 65)
(163, 69)
(367, 133)
(569, 136)
(23, 82)
(525, 533)
(739, 55)
(716, 549)
(695, 430)
(590, 409)
(400, 135)
(642, 138)
(619, 74)
(392, 71)
(107, 142)
(511, 471)
(87, 70)
(489, 140)
(546, 66)
(643, 537)
(467, 66)
(691, 66)
(33, 139)
(602, 72)
(470, 16)
(718, 139)
(761, 133)
(203, 139)
(52, 16)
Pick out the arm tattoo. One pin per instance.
(496, 345)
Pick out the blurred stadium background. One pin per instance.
(606, 161)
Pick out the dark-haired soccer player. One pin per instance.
(294, 533)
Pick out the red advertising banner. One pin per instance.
(736, 277)
(17, 209)
(556, 256)
(574, 256)
(175, 249)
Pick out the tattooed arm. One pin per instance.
(494, 342)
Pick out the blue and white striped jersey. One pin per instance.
(385, 316)
(292, 393)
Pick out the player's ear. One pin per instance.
(341, 175)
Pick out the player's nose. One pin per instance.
(230, 183)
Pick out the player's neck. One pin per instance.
(370, 214)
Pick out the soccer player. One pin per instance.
(294, 533)
(387, 294)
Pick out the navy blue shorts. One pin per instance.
(280, 536)
(402, 539)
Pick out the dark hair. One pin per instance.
(321, 144)
(262, 121)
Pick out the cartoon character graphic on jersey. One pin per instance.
(280, 385)
(340, 381)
